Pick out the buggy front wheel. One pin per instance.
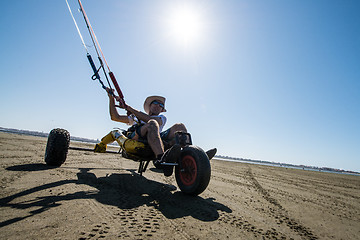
(193, 171)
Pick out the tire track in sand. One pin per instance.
(126, 207)
(279, 212)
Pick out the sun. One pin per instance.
(185, 25)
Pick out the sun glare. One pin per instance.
(185, 25)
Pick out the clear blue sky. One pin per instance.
(269, 80)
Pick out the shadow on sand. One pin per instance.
(125, 191)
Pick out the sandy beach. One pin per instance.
(94, 196)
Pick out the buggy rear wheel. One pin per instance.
(57, 147)
(194, 170)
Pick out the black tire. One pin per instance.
(194, 171)
(57, 147)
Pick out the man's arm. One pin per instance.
(114, 115)
(143, 116)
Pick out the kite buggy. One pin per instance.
(192, 164)
(192, 168)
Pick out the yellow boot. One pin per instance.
(131, 146)
(101, 147)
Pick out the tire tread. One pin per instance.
(57, 147)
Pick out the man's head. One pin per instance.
(154, 105)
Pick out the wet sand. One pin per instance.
(94, 196)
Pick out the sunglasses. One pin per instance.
(158, 103)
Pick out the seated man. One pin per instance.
(150, 128)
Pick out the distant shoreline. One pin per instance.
(217, 157)
(286, 165)
(42, 134)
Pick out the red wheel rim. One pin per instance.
(188, 171)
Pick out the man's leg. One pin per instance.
(101, 146)
(151, 131)
(178, 127)
(170, 138)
